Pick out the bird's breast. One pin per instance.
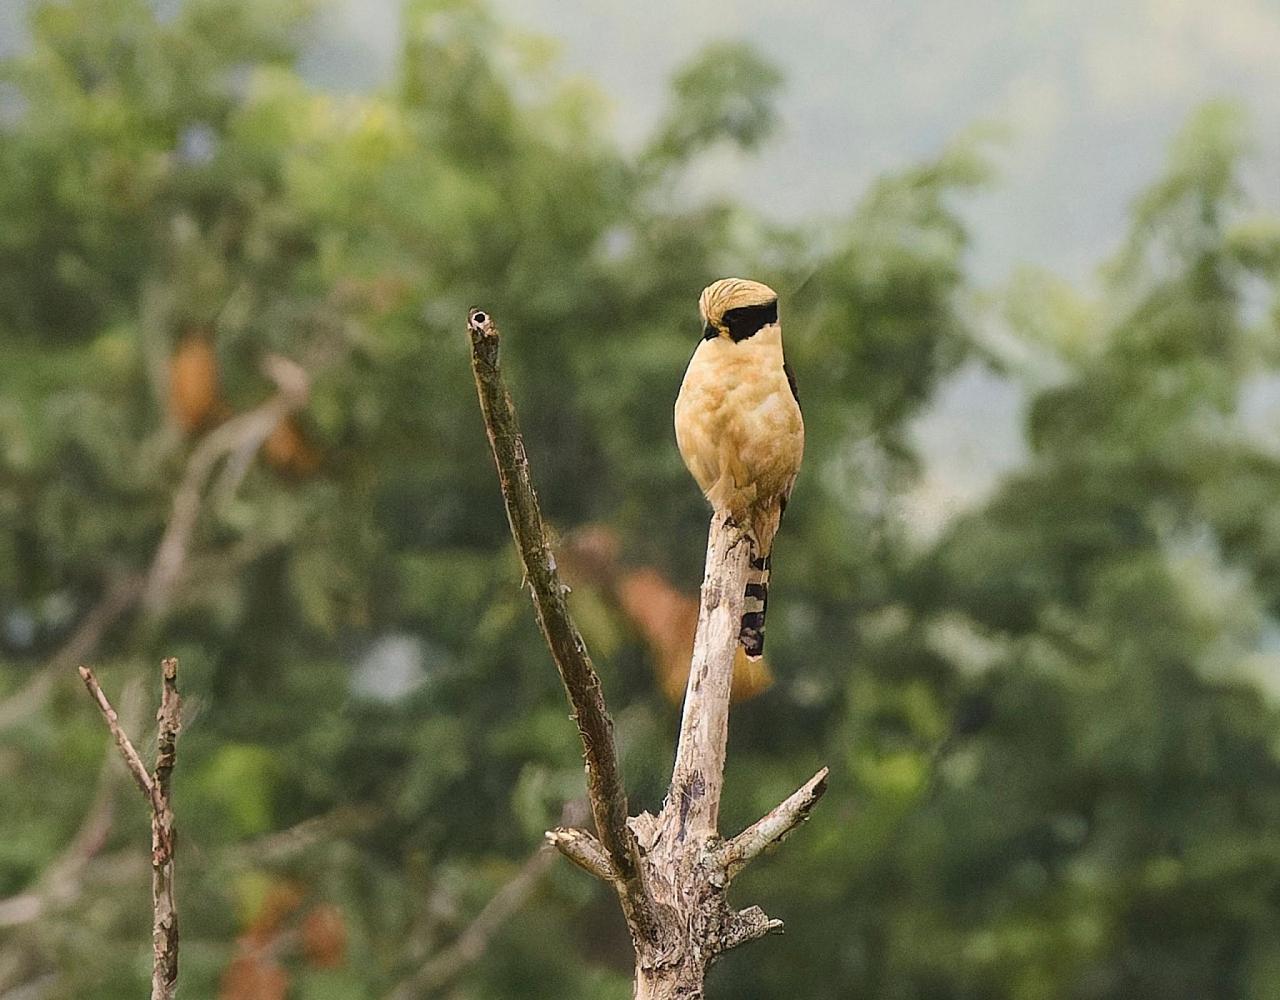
(738, 425)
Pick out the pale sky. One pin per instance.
(1091, 90)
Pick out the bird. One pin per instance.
(739, 428)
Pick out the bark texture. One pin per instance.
(671, 871)
(155, 787)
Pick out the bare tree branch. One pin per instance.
(670, 871)
(156, 787)
(164, 934)
(772, 829)
(581, 682)
(137, 769)
(583, 850)
(693, 802)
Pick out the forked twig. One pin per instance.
(155, 787)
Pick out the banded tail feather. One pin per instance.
(756, 600)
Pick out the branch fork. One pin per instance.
(155, 787)
(670, 871)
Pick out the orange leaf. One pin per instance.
(324, 936)
(253, 976)
(194, 389)
(288, 451)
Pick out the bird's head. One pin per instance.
(736, 308)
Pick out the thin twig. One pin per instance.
(137, 769)
(771, 829)
(156, 787)
(581, 682)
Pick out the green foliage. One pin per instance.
(1053, 774)
(726, 94)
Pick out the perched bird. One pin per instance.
(739, 429)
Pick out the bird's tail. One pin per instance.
(756, 600)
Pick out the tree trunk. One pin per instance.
(683, 982)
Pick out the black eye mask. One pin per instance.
(746, 321)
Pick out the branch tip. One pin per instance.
(584, 851)
(137, 770)
(749, 925)
(771, 829)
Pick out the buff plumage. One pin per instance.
(738, 425)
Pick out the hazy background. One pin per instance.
(1085, 95)
(1084, 98)
(1027, 604)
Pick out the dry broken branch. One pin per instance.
(581, 682)
(156, 787)
(583, 850)
(671, 871)
(770, 830)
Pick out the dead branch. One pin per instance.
(164, 935)
(581, 682)
(671, 871)
(137, 769)
(584, 851)
(693, 802)
(770, 830)
(156, 788)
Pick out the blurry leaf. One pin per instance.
(238, 780)
(725, 93)
(324, 936)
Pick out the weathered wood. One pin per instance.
(670, 871)
(692, 809)
(568, 649)
(156, 789)
(164, 931)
